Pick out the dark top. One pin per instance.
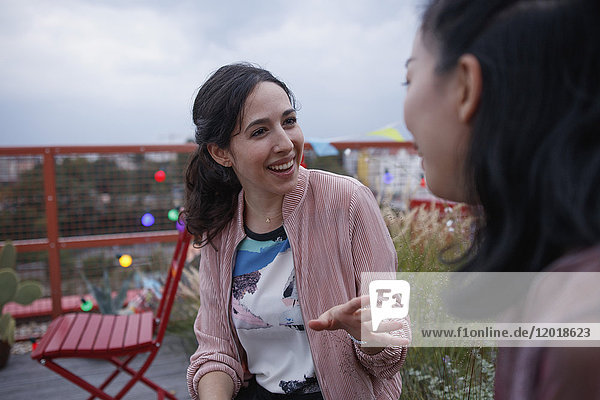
(553, 373)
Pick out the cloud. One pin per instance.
(125, 72)
(84, 49)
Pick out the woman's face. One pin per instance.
(266, 153)
(431, 115)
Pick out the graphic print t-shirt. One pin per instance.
(267, 315)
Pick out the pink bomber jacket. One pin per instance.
(336, 232)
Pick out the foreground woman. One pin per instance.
(503, 100)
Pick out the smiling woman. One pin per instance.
(283, 251)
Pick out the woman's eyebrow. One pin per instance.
(265, 120)
(256, 122)
(408, 61)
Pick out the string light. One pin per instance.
(387, 177)
(160, 176)
(147, 219)
(125, 260)
(86, 305)
(173, 214)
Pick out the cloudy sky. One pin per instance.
(80, 72)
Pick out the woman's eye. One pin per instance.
(259, 132)
(290, 121)
(406, 83)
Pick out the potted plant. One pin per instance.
(12, 289)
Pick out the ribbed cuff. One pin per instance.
(206, 366)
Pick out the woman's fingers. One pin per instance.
(325, 321)
(354, 317)
(342, 316)
(389, 325)
(365, 314)
(352, 305)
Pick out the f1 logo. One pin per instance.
(389, 299)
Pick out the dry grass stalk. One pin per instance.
(423, 233)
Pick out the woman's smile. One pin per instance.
(282, 167)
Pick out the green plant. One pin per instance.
(430, 240)
(13, 289)
(107, 304)
(452, 373)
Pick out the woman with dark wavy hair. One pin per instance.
(283, 250)
(503, 100)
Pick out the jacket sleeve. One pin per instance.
(373, 252)
(216, 347)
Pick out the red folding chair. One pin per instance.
(114, 338)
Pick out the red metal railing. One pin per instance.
(53, 243)
(56, 236)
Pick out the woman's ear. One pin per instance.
(469, 75)
(221, 156)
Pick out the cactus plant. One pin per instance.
(12, 289)
(7, 327)
(8, 256)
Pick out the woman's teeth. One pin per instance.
(282, 167)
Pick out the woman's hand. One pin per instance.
(356, 320)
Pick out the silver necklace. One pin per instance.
(268, 219)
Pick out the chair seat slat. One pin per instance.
(118, 333)
(60, 333)
(91, 331)
(104, 333)
(132, 331)
(46, 339)
(75, 332)
(146, 327)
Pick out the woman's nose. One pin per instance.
(283, 141)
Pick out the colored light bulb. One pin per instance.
(125, 260)
(160, 176)
(388, 178)
(173, 214)
(147, 219)
(86, 305)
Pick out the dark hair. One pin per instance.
(534, 159)
(211, 189)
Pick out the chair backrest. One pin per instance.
(170, 288)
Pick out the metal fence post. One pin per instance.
(52, 232)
